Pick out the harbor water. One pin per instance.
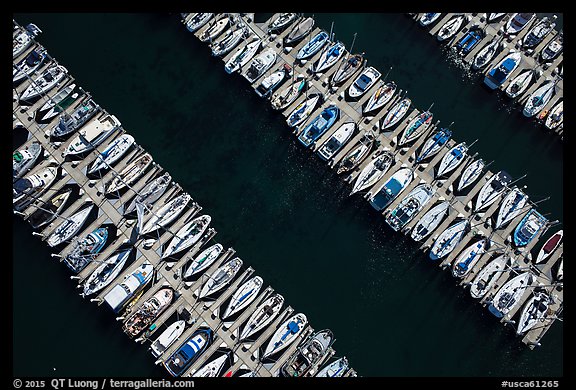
(289, 216)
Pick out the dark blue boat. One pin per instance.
(319, 125)
(469, 41)
(188, 352)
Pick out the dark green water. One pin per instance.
(393, 312)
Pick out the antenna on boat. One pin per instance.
(469, 146)
(514, 181)
(450, 125)
(431, 105)
(389, 70)
(331, 33)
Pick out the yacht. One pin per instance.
(384, 195)
(299, 31)
(105, 273)
(430, 221)
(44, 83)
(313, 46)
(468, 258)
(518, 22)
(132, 283)
(487, 276)
(373, 172)
(286, 334)
(538, 99)
(203, 260)
(281, 100)
(492, 189)
(340, 137)
(364, 82)
(214, 30)
(230, 41)
(112, 153)
(86, 249)
(31, 63)
(335, 369)
(260, 64)
(529, 227)
(356, 155)
(92, 134)
(188, 352)
(498, 74)
(347, 68)
(417, 126)
(311, 352)
(28, 188)
(242, 56)
(303, 110)
(550, 246)
(69, 123)
(198, 20)
(471, 173)
(510, 207)
(211, 369)
(330, 55)
(243, 296)
(449, 239)
(69, 227)
(395, 114)
(23, 40)
(450, 28)
(281, 22)
(166, 214)
(150, 193)
(519, 84)
(270, 82)
(485, 55)
(470, 40)
(538, 32)
(433, 144)
(167, 338)
(24, 159)
(555, 116)
(148, 312)
(187, 235)
(380, 97)
(452, 159)
(509, 294)
(127, 176)
(50, 209)
(319, 125)
(221, 277)
(410, 206)
(553, 48)
(534, 312)
(264, 314)
(428, 18)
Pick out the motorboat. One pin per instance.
(150, 193)
(410, 206)
(553, 48)
(336, 141)
(166, 214)
(308, 354)
(260, 64)
(538, 99)
(485, 55)
(56, 104)
(538, 32)
(230, 41)
(264, 314)
(187, 235)
(30, 64)
(535, 311)
(471, 173)
(319, 125)
(24, 159)
(131, 284)
(127, 176)
(519, 84)
(356, 155)
(487, 276)
(50, 209)
(167, 338)
(492, 17)
(69, 123)
(86, 249)
(188, 352)
(221, 277)
(428, 18)
(518, 22)
(364, 82)
(510, 207)
(450, 28)
(555, 116)
(303, 110)
(468, 258)
(313, 46)
(112, 153)
(28, 188)
(281, 22)
(470, 40)
(44, 83)
(299, 31)
(69, 227)
(281, 100)
(203, 260)
(388, 191)
(211, 369)
(498, 74)
(510, 293)
(148, 312)
(286, 334)
(550, 246)
(347, 68)
(215, 29)
(529, 227)
(335, 369)
(380, 97)
(452, 159)
(492, 189)
(198, 20)
(243, 296)
(270, 82)
(373, 172)
(433, 144)
(330, 55)
(105, 273)
(23, 40)
(242, 56)
(449, 239)
(417, 126)
(430, 221)
(395, 114)
(92, 134)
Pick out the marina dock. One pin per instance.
(246, 356)
(544, 71)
